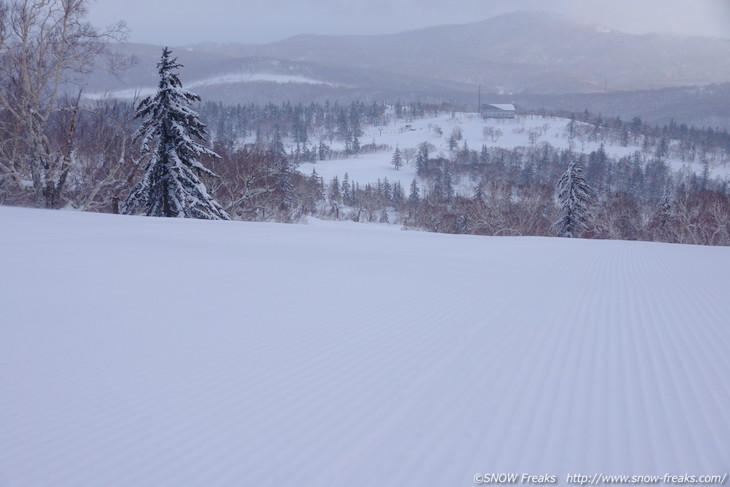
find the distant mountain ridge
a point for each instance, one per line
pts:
(516, 55)
(521, 52)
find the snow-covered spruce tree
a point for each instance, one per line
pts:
(172, 134)
(574, 198)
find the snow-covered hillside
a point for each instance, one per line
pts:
(523, 131)
(225, 79)
(148, 352)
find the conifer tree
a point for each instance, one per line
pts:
(347, 190)
(317, 183)
(397, 159)
(335, 195)
(479, 195)
(484, 155)
(422, 158)
(414, 196)
(398, 195)
(173, 135)
(448, 187)
(386, 192)
(323, 151)
(574, 197)
(662, 222)
(384, 218)
(284, 173)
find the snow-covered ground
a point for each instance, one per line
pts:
(150, 352)
(523, 131)
(217, 80)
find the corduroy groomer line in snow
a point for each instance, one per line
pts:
(351, 354)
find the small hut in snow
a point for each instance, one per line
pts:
(498, 110)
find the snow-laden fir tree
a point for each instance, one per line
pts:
(574, 198)
(662, 224)
(172, 134)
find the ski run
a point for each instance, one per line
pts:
(154, 352)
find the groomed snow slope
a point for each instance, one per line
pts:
(149, 352)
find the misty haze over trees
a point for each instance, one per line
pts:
(62, 151)
(534, 59)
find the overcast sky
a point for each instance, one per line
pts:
(178, 22)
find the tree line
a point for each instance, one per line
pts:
(518, 192)
(57, 151)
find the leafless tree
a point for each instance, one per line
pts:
(106, 162)
(409, 155)
(44, 44)
(492, 133)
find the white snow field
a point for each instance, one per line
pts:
(516, 132)
(151, 352)
(230, 78)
